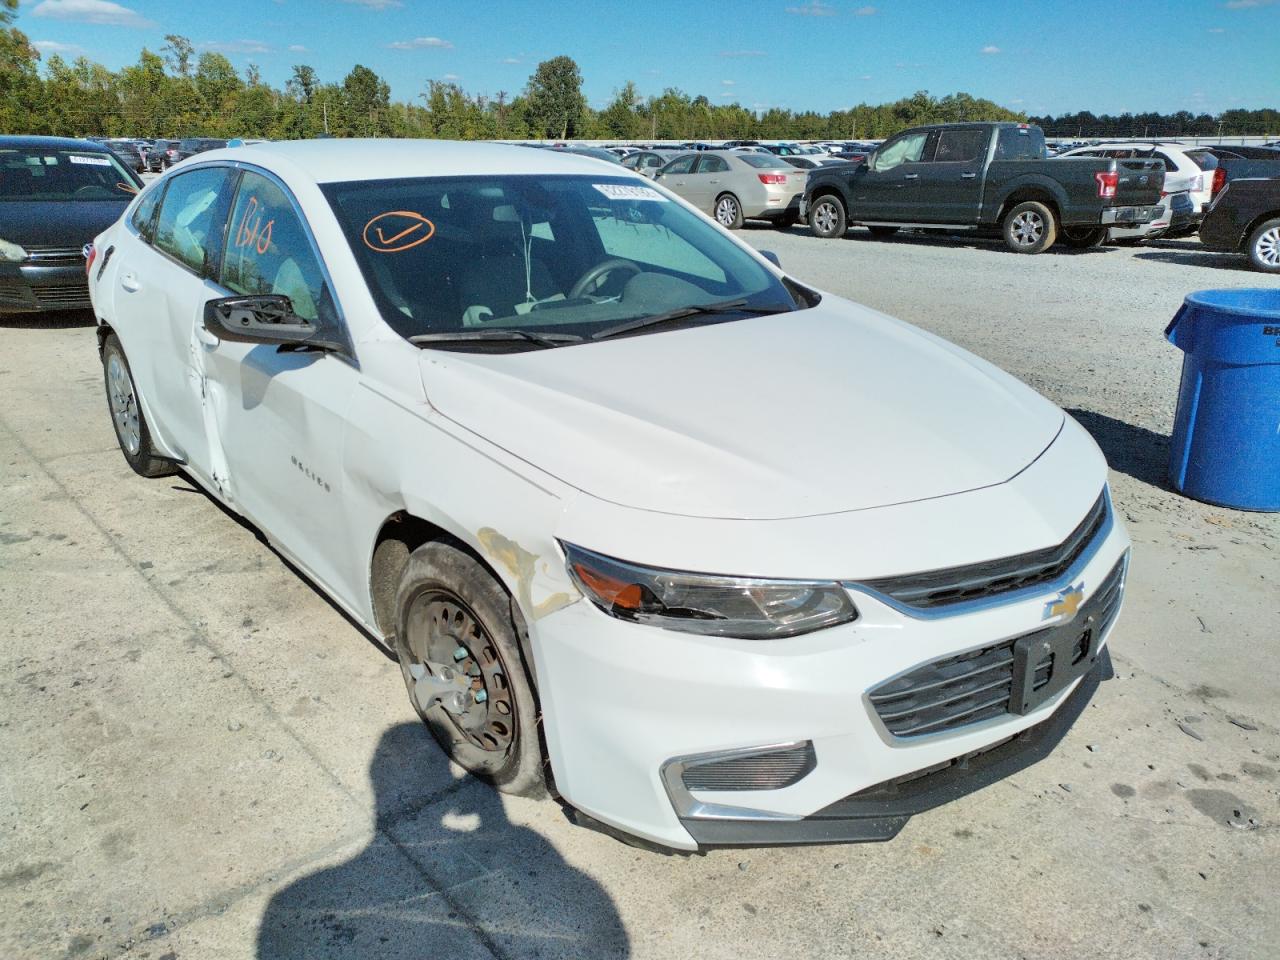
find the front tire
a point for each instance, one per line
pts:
(132, 432)
(728, 211)
(1263, 247)
(1029, 228)
(451, 612)
(827, 218)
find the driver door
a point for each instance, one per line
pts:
(886, 190)
(280, 414)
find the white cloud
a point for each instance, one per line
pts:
(990, 49)
(420, 43)
(1247, 4)
(297, 48)
(236, 46)
(450, 77)
(100, 12)
(55, 46)
(728, 83)
(376, 4)
(742, 54)
(865, 76)
(512, 60)
(865, 12)
(814, 8)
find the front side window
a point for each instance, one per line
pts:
(905, 149)
(571, 254)
(268, 250)
(39, 173)
(189, 225)
(960, 146)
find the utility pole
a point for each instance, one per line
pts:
(324, 107)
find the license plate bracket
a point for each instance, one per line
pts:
(1070, 649)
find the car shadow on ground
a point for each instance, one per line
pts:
(55, 320)
(1141, 453)
(473, 876)
(1183, 256)
(989, 244)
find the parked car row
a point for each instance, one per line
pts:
(153, 156)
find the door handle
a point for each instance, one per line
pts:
(911, 176)
(130, 283)
(713, 181)
(205, 336)
(967, 176)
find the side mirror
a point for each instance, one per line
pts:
(772, 258)
(657, 174)
(265, 318)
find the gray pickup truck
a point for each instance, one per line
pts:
(983, 177)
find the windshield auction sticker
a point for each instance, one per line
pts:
(397, 230)
(622, 191)
(91, 161)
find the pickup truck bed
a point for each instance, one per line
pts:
(976, 176)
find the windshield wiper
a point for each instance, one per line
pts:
(697, 310)
(495, 336)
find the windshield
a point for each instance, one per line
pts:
(564, 254)
(35, 173)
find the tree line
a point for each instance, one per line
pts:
(181, 92)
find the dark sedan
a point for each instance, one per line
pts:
(56, 195)
(1245, 218)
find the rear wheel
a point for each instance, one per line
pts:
(827, 217)
(1263, 247)
(728, 211)
(1029, 228)
(132, 432)
(1083, 238)
(459, 651)
(882, 233)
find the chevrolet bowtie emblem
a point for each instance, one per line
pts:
(1065, 603)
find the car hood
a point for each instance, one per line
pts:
(58, 223)
(824, 410)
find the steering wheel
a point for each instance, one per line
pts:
(595, 274)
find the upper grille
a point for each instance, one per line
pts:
(765, 770)
(40, 254)
(977, 581)
(974, 686)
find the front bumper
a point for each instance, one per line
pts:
(33, 287)
(621, 701)
(1130, 215)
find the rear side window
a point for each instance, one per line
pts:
(712, 165)
(144, 214)
(189, 226)
(268, 250)
(1020, 143)
(960, 146)
(1203, 159)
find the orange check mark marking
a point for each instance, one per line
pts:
(387, 241)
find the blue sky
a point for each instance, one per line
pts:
(1039, 56)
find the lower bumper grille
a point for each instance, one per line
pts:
(73, 293)
(956, 691)
(765, 770)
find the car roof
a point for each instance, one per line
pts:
(342, 161)
(52, 143)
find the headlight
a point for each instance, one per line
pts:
(11, 252)
(700, 603)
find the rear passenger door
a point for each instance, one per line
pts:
(162, 285)
(280, 415)
(950, 184)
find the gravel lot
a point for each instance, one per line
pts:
(203, 758)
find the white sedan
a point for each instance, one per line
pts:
(651, 525)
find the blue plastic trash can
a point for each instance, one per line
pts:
(1225, 447)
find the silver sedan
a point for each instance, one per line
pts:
(734, 187)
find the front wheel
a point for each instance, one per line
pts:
(1082, 238)
(728, 211)
(459, 651)
(1029, 228)
(827, 218)
(132, 432)
(1264, 247)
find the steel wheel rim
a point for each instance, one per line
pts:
(726, 211)
(1028, 228)
(124, 405)
(824, 215)
(1267, 249)
(443, 629)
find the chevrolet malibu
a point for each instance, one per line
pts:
(652, 526)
